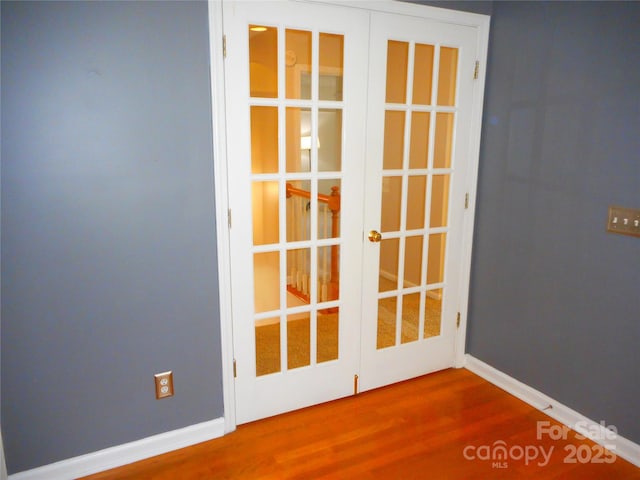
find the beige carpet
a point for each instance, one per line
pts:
(298, 335)
(410, 319)
(298, 344)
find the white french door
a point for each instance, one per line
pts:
(348, 154)
(418, 144)
(296, 97)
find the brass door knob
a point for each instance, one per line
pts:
(375, 236)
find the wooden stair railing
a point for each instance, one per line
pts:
(333, 204)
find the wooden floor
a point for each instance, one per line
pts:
(418, 429)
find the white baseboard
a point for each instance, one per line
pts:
(124, 454)
(597, 432)
(3, 465)
(436, 294)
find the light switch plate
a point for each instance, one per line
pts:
(625, 221)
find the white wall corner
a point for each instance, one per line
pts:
(596, 431)
(124, 454)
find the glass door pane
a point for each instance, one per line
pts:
(415, 190)
(296, 278)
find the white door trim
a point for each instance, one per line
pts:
(220, 176)
(216, 32)
(471, 187)
(412, 9)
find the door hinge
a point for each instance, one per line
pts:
(224, 46)
(235, 371)
(476, 70)
(458, 320)
(229, 217)
(355, 384)
(466, 201)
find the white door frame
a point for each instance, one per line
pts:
(216, 47)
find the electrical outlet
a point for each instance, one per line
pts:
(164, 385)
(625, 221)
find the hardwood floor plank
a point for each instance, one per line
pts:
(411, 430)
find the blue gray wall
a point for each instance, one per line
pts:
(555, 299)
(108, 242)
